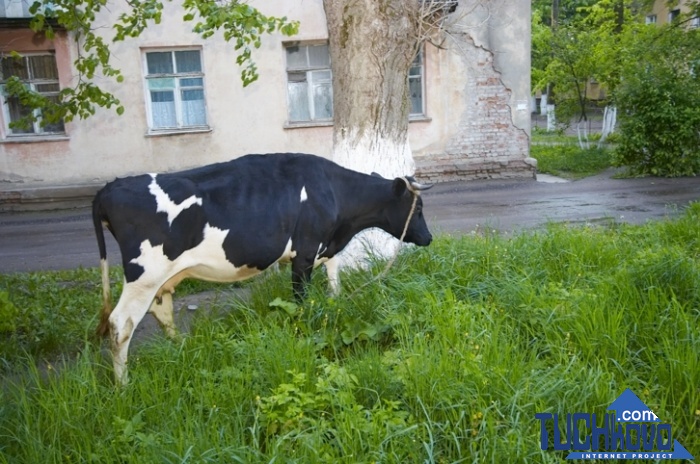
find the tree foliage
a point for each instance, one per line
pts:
(581, 48)
(238, 22)
(659, 102)
(649, 72)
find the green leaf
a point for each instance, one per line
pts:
(287, 306)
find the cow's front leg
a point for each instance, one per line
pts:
(162, 309)
(302, 268)
(332, 272)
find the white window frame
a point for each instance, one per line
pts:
(177, 89)
(417, 73)
(313, 80)
(32, 83)
(650, 19)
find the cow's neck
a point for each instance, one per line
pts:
(361, 207)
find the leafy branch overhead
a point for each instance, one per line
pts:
(238, 22)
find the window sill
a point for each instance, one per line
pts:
(302, 124)
(419, 118)
(169, 132)
(35, 138)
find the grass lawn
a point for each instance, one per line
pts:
(446, 360)
(559, 154)
(569, 160)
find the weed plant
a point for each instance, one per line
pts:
(448, 359)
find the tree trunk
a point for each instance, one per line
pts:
(372, 44)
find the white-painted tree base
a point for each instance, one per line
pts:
(389, 158)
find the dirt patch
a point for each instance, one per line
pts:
(186, 308)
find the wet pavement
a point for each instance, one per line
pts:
(65, 239)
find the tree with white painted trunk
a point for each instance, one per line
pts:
(372, 44)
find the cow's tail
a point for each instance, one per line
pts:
(97, 218)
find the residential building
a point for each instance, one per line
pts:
(185, 105)
(662, 13)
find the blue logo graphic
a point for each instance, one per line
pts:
(629, 431)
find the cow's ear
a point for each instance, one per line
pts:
(399, 186)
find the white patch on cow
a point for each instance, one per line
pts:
(166, 205)
(318, 260)
(206, 261)
(304, 196)
(288, 253)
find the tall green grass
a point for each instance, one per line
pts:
(446, 360)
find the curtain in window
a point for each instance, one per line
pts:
(188, 61)
(159, 62)
(12, 66)
(415, 92)
(193, 109)
(323, 95)
(17, 112)
(163, 109)
(43, 67)
(297, 89)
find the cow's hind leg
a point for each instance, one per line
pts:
(132, 307)
(162, 309)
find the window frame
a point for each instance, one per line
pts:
(177, 89)
(37, 130)
(673, 15)
(309, 70)
(419, 62)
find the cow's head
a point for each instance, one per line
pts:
(406, 190)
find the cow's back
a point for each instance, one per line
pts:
(256, 199)
(261, 200)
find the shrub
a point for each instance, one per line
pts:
(659, 105)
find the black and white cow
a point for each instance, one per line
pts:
(230, 221)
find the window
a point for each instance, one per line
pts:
(673, 14)
(415, 86)
(38, 73)
(309, 86)
(175, 90)
(650, 19)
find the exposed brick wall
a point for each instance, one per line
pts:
(487, 144)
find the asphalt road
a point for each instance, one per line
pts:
(65, 239)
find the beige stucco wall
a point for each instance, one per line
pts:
(660, 9)
(252, 119)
